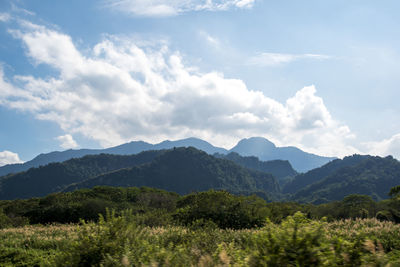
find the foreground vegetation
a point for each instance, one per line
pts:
(118, 240)
(154, 207)
(107, 226)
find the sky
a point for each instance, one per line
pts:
(319, 75)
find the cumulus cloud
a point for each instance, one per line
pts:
(272, 59)
(67, 141)
(120, 91)
(8, 157)
(160, 8)
(390, 146)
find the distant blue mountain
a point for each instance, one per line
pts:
(255, 146)
(266, 150)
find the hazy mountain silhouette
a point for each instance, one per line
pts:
(266, 150)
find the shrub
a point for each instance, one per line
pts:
(222, 208)
(4, 220)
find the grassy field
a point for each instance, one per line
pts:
(118, 241)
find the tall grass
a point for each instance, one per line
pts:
(120, 241)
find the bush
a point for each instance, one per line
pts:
(4, 220)
(98, 242)
(222, 208)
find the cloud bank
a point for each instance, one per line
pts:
(8, 157)
(162, 8)
(390, 146)
(120, 91)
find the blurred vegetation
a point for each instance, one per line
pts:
(118, 240)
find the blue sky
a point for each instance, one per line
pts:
(320, 75)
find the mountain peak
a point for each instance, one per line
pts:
(266, 150)
(254, 146)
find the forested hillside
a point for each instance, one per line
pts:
(315, 175)
(54, 177)
(185, 170)
(280, 169)
(373, 177)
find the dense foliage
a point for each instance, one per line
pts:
(222, 209)
(153, 204)
(155, 207)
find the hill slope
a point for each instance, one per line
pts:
(266, 150)
(280, 169)
(373, 176)
(56, 176)
(184, 170)
(315, 175)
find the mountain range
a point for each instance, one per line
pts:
(185, 170)
(255, 146)
(181, 170)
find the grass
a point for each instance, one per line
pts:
(118, 241)
(34, 245)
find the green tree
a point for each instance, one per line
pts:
(395, 192)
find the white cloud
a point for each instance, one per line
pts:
(67, 141)
(390, 146)
(121, 92)
(211, 40)
(4, 17)
(272, 59)
(8, 157)
(160, 8)
(18, 9)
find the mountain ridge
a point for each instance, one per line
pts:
(185, 170)
(300, 160)
(304, 179)
(373, 176)
(265, 150)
